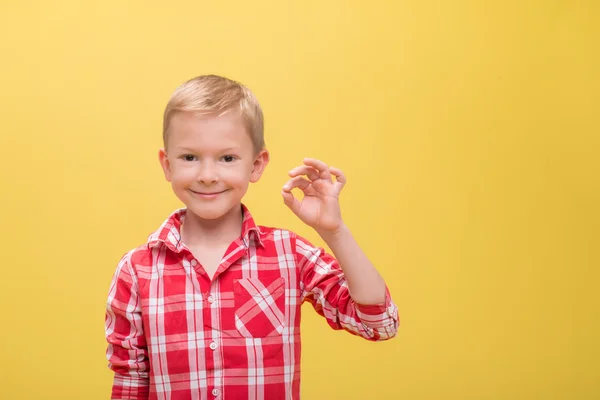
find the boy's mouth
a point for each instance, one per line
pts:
(207, 195)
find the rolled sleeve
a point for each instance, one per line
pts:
(324, 285)
(381, 318)
(127, 350)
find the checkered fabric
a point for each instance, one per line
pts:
(175, 334)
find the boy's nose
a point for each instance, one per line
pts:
(208, 174)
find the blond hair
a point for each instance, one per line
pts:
(217, 95)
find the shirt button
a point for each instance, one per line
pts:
(211, 299)
(213, 346)
(215, 392)
(194, 262)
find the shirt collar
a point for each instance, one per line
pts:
(169, 233)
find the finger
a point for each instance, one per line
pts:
(298, 182)
(319, 166)
(291, 201)
(310, 172)
(340, 178)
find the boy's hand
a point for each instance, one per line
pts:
(320, 207)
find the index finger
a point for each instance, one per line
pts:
(320, 166)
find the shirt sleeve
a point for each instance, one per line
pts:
(323, 284)
(127, 352)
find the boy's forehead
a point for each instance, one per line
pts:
(190, 121)
(193, 131)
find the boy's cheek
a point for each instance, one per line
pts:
(230, 175)
(183, 174)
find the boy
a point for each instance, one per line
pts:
(209, 307)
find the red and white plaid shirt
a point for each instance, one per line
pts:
(175, 334)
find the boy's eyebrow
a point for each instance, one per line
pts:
(188, 149)
(185, 149)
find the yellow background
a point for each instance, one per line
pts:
(468, 132)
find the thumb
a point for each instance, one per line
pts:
(290, 201)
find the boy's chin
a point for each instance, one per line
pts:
(211, 212)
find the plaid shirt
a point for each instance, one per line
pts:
(174, 333)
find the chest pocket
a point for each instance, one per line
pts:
(259, 307)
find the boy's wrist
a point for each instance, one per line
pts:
(332, 236)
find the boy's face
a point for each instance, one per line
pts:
(210, 161)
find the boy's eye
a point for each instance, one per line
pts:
(189, 157)
(228, 158)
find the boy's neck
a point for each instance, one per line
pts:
(197, 231)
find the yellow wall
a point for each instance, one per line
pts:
(468, 131)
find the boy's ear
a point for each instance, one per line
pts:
(260, 163)
(164, 163)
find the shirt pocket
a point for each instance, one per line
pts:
(259, 306)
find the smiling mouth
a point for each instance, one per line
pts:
(207, 194)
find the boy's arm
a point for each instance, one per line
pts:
(127, 350)
(364, 282)
(352, 272)
(326, 286)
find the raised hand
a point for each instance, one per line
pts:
(320, 207)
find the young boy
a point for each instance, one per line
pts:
(209, 307)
